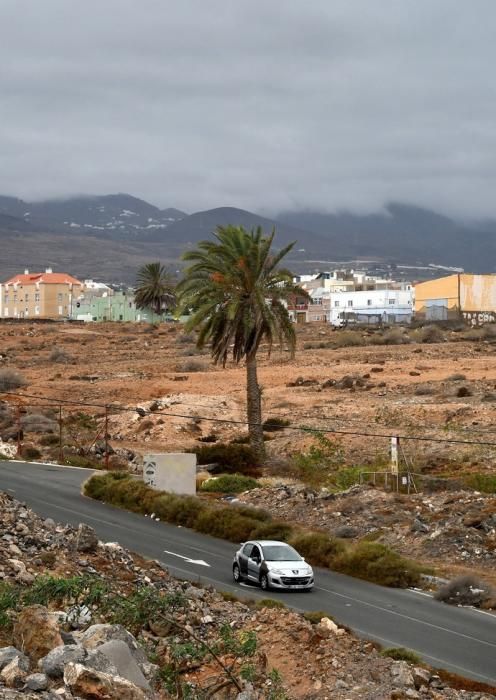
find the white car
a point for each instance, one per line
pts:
(272, 564)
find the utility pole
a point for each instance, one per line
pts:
(61, 451)
(106, 438)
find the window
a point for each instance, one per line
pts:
(26, 297)
(350, 302)
(247, 549)
(15, 297)
(336, 303)
(369, 302)
(59, 298)
(37, 310)
(36, 296)
(392, 301)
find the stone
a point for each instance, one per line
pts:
(53, 663)
(94, 685)
(86, 539)
(36, 632)
(8, 654)
(328, 624)
(96, 635)
(99, 662)
(118, 653)
(419, 526)
(14, 673)
(36, 682)
(402, 675)
(421, 676)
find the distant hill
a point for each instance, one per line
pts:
(108, 237)
(403, 233)
(116, 215)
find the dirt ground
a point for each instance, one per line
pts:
(403, 389)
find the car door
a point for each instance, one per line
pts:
(254, 563)
(243, 559)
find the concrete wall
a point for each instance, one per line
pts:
(471, 296)
(172, 472)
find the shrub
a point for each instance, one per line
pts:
(49, 440)
(146, 424)
(272, 425)
(377, 563)
(229, 483)
(30, 452)
(191, 366)
(185, 338)
(345, 339)
(424, 390)
(226, 523)
(481, 482)
(73, 460)
(430, 334)
(456, 377)
(59, 355)
(320, 549)
(270, 603)
(401, 654)
(273, 530)
(345, 478)
(489, 331)
(394, 336)
(10, 380)
(232, 458)
(38, 423)
(464, 590)
(464, 391)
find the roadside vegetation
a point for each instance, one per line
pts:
(368, 560)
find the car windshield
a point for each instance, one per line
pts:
(280, 552)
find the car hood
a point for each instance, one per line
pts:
(290, 566)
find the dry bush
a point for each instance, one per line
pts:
(191, 366)
(424, 390)
(464, 391)
(38, 423)
(59, 355)
(10, 380)
(185, 339)
(465, 590)
(146, 424)
(393, 336)
(345, 339)
(457, 377)
(430, 334)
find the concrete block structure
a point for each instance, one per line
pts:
(174, 472)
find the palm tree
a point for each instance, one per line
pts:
(154, 288)
(236, 293)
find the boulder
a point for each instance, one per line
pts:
(36, 632)
(96, 635)
(36, 682)
(86, 539)
(421, 676)
(402, 675)
(119, 655)
(94, 685)
(53, 663)
(14, 673)
(8, 654)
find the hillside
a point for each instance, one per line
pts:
(108, 237)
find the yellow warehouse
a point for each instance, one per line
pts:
(464, 296)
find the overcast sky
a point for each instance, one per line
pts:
(262, 104)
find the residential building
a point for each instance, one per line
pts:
(119, 306)
(459, 296)
(39, 295)
(373, 306)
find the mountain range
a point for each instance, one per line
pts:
(110, 236)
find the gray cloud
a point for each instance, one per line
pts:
(263, 105)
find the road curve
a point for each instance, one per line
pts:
(460, 640)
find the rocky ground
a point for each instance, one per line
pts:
(64, 599)
(455, 531)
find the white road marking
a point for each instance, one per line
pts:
(200, 562)
(408, 617)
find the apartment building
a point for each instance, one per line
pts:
(39, 295)
(372, 306)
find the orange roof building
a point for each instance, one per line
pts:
(39, 295)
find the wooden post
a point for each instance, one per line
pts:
(19, 441)
(61, 450)
(106, 438)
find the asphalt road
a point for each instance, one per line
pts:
(460, 640)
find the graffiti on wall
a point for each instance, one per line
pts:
(478, 318)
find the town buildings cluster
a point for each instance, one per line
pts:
(339, 297)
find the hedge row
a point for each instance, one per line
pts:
(370, 561)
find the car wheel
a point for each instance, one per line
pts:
(236, 574)
(264, 582)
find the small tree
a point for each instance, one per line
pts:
(154, 288)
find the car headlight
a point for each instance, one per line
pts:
(308, 571)
(276, 571)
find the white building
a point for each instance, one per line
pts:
(371, 306)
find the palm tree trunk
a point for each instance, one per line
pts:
(254, 408)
